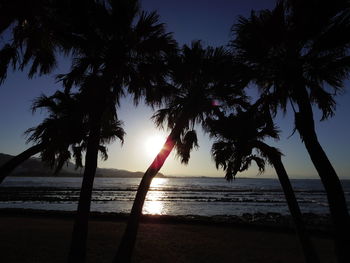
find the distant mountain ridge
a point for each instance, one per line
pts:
(35, 167)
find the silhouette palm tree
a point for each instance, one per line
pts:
(63, 133)
(116, 49)
(195, 75)
(123, 50)
(35, 32)
(52, 138)
(240, 141)
(288, 53)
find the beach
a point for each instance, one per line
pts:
(44, 237)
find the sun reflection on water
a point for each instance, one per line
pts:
(153, 208)
(159, 182)
(154, 204)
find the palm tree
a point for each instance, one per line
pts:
(35, 32)
(62, 128)
(195, 75)
(240, 141)
(62, 134)
(116, 49)
(289, 54)
(123, 50)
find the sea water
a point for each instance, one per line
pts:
(167, 196)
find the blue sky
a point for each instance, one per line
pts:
(209, 21)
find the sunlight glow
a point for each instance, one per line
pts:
(154, 208)
(155, 204)
(153, 145)
(159, 183)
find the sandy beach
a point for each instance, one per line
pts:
(38, 238)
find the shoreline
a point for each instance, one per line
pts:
(266, 177)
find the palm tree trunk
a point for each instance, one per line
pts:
(77, 251)
(128, 240)
(9, 166)
(335, 194)
(308, 249)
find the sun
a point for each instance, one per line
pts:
(153, 145)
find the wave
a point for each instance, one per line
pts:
(176, 189)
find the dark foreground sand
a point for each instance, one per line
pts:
(36, 238)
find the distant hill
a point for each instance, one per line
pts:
(35, 167)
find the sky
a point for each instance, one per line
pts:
(205, 20)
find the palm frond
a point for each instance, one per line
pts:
(324, 100)
(63, 158)
(294, 45)
(8, 56)
(185, 144)
(77, 154)
(104, 152)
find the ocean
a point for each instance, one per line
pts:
(167, 196)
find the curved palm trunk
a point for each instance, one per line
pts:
(308, 249)
(335, 194)
(9, 166)
(77, 251)
(128, 240)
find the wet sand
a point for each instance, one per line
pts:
(39, 238)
